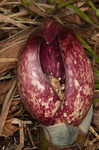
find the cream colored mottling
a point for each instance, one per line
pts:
(76, 83)
(50, 99)
(34, 74)
(33, 96)
(88, 61)
(46, 105)
(57, 105)
(75, 113)
(70, 72)
(80, 88)
(37, 84)
(47, 114)
(87, 90)
(78, 95)
(68, 120)
(43, 104)
(78, 102)
(65, 115)
(80, 113)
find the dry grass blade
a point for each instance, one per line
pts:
(7, 19)
(7, 60)
(6, 105)
(30, 137)
(10, 3)
(92, 130)
(30, 4)
(21, 13)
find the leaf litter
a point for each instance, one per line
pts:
(18, 19)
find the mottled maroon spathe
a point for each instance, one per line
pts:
(55, 49)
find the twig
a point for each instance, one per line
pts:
(6, 105)
(7, 60)
(30, 137)
(7, 19)
(10, 3)
(46, 6)
(21, 13)
(21, 145)
(92, 130)
(8, 28)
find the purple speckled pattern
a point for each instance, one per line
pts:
(51, 59)
(50, 30)
(79, 80)
(55, 51)
(37, 95)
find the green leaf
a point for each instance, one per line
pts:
(97, 12)
(36, 1)
(76, 9)
(96, 100)
(97, 86)
(44, 143)
(64, 4)
(26, 3)
(51, 1)
(92, 5)
(81, 13)
(96, 72)
(97, 81)
(86, 45)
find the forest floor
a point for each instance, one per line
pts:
(18, 19)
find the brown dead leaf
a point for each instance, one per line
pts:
(96, 115)
(1, 101)
(10, 49)
(6, 105)
(5, 86)
(77, 19)
(33, 7)
(51, 148)
(9, 129)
